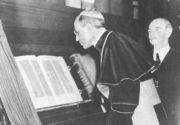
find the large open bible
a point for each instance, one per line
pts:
(48, 80)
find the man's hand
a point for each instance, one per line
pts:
(103, 89)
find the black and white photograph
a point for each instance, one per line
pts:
(89, 62)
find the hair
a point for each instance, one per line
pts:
(166, 22)
(95, 18)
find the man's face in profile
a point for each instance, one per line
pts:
(83, 35)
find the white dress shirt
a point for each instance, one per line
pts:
(162, 53)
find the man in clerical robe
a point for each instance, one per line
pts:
(122, 65)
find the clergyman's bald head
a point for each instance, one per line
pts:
(92, 17)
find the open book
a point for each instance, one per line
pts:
(48, 80)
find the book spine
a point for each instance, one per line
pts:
(83, 76)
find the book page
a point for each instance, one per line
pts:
(62, 83)
(35, 81)
(67, 80)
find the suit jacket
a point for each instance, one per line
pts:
(168, 77)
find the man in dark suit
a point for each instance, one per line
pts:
(167, 76)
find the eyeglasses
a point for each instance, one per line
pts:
(76, 33)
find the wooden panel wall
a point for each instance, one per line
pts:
(174, 14)
(38, 26)
(46, 26)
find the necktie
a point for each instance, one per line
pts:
(157, 61)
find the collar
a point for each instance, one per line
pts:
(162, 53)
(101, 40)
(99, 36)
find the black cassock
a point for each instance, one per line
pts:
(122, 62)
